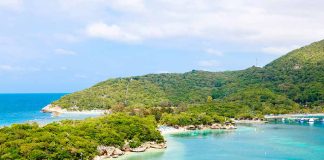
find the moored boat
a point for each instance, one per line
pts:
(311, 120)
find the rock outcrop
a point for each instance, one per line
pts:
(148, 145)
(225, 126)
(53, 109)
(107, 152)
(113, 152)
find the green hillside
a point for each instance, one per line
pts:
(300, 74)
(147, 91)
(292, 83)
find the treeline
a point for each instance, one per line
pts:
(187, 118)
(75, 139)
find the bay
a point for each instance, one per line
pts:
(22, 108)
(284, 141)
(289, 141)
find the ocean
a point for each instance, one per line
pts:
(277, 141)
(21, 108)
(282, 141)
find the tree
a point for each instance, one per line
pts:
(209, 99)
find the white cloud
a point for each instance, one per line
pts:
(11, 4)
(110, 32)
(214, 52)
(278, 50)
(61, 51)
(6, 68)
(243, 22)
(80, 76)
(12, 68)
(128, 5)
(208, 63)
(240, 22)
(95, 8)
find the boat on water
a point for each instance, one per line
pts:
(311, 120)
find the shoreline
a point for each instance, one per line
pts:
(293, 115)
(171, 130)
(108, 152)
(130, 154)
(250, 122)
(165, 131)
(57, 111)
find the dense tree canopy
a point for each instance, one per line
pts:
(75, 139)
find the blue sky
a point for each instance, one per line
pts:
(65, 46)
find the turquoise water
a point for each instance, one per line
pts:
(288, 141)
(264, 141)
(20, 108)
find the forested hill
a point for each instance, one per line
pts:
(300, 74)
(296, 79)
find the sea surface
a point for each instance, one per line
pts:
(21, 108)
(276, 141)
(287, 140)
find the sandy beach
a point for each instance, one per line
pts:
(127, 155)
(57, 111)
(171, 130)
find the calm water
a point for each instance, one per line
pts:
(269, 141)
(20, 108)
(291, 141)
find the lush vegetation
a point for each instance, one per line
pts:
(292, 83)
(75, 139)
(187, 118)
(113, 92)
(249, 103)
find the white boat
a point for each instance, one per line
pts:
(311, 120)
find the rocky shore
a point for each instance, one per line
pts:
(57, 110)
(250, 120)
(106, 152)
(180, 129)
(53, 109)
